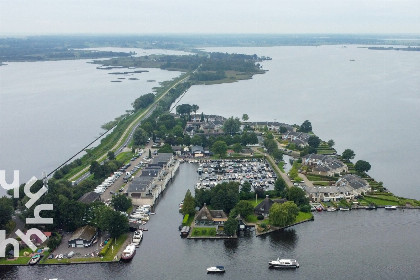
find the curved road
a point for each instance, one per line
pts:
(118, 147)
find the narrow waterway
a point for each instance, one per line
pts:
(358, 244)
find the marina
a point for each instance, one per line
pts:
(257, 172)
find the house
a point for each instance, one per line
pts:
(328, 193)
(263, 208)
(90, 197)
(197, 151)
(206, 217)
(324, 165)
(298, 138)
(163, 160)
(359, 185)
(83, 237)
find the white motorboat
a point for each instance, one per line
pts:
(331, 209)
(137, 237)
(216, 269)
(129, 252)
(390, 207)
(283, 263)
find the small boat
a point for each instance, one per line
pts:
(35, 259)
(185, 231)
(390, 207)
(344, 209)
(129, 252)
(283, 263)
(216, 269)
(331, 209)
(371, 207)
(137, 237)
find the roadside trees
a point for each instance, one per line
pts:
(297, 195)
(140, 137)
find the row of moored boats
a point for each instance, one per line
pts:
(130, 251)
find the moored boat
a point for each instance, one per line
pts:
(35, 259)
(216, 269)
(129, 252)
(390, 207)
(283, 263)
(331, 209)
(137, 237)
(344, 209)
(185, 231)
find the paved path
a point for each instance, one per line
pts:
(274, 165)
(129, 129)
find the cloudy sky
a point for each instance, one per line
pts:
(23, 17)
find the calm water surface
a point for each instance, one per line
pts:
(342, 245)
(50, 110)
(370, 105)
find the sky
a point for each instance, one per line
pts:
(35, 17)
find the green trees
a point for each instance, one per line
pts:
(6, 210)
(188, 206)
(348, 154)
(225, 196)
(279, 185)
(305, 127)
(297, 195)
(111, 155)
(283, 214)
(118, 224)
(232, 125)
(331, 143)
(70, 215)
(237, 147)
(97, 170)
(362, 166)
(166, 149)
(140, 136)
(245, 117)
(243, 208)
(143, 101)
(314, 141)
(245, 192)
(121, 202)
(230, 226)
(219, 147)
(184, 109)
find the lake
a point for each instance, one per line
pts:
(51, 110)
(370, 105)
(358, 244)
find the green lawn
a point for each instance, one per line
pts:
(302, 216)
(203, 231)
(20, 260)
(251, 218)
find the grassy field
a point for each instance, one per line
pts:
(302, 216)
(203, 231)
(19, 261)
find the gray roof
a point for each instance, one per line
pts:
(353, 181)
(161, 159)
(323, 162)
(140, 184)
(85, 233)
(264, 206)
(89, 197)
